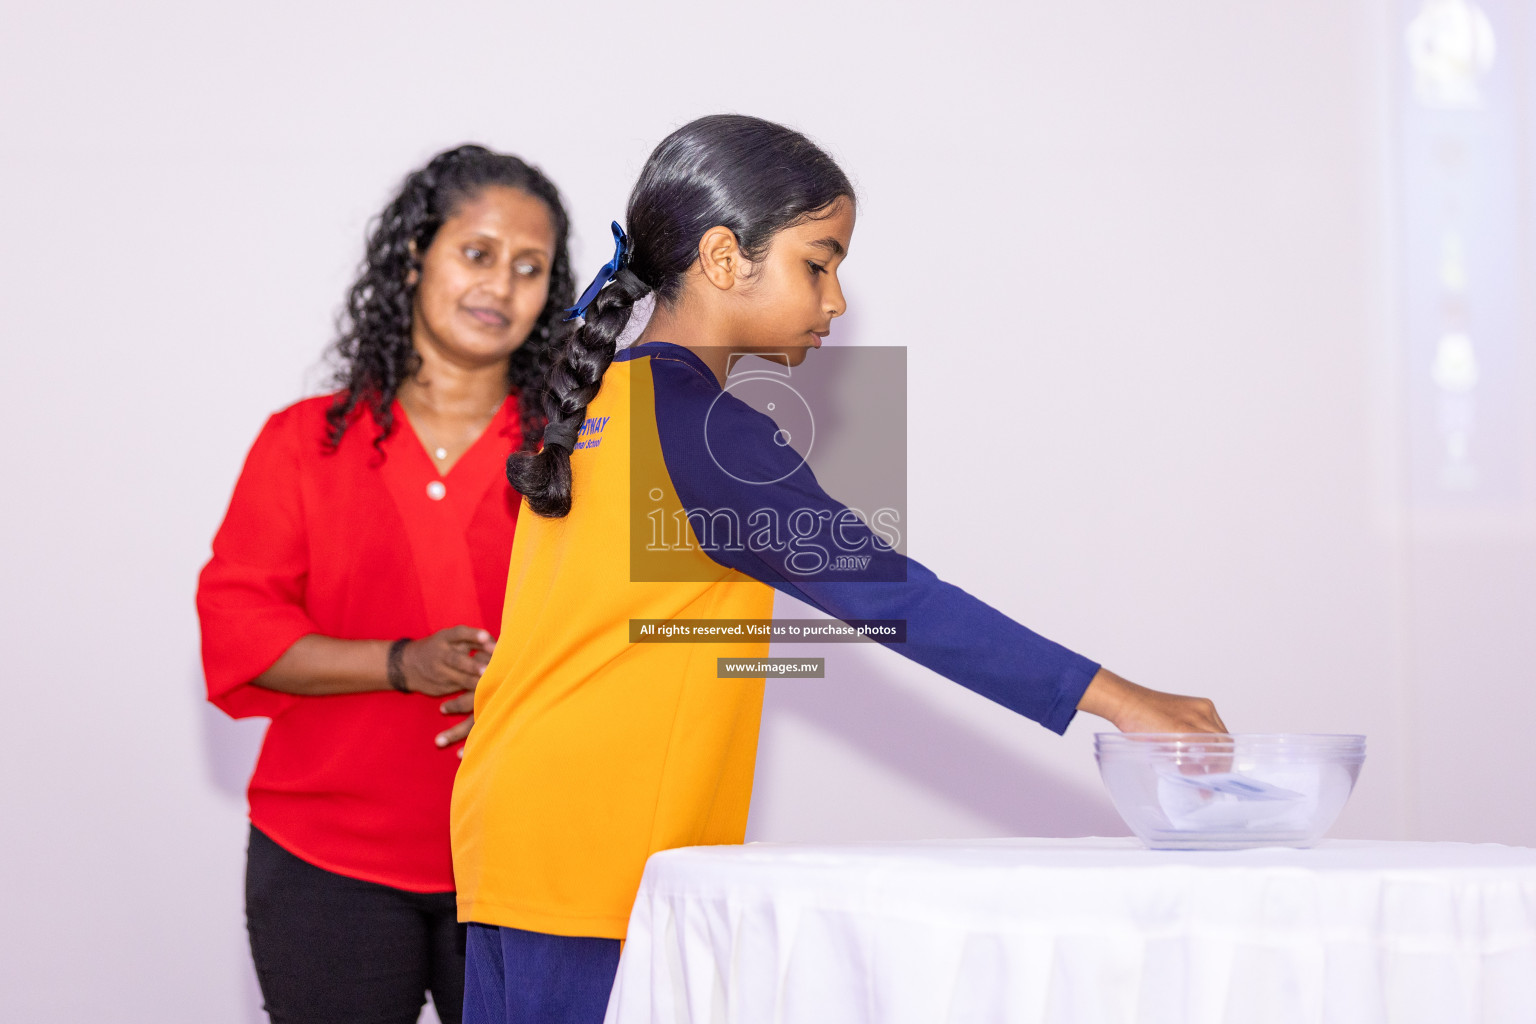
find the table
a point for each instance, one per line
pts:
(1082, 931)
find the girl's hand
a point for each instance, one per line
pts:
(446, 662)
(1132, 708)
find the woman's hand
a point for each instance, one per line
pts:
(446, 662)
(464, 703)
(1132, 708)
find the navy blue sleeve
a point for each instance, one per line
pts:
(757, 508)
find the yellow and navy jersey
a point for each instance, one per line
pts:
(589, 752)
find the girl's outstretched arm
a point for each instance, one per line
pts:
(782, 532)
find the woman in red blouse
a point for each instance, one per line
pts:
(357, 581)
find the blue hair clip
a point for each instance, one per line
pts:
(620, 258)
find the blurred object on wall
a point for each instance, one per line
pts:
(1462, 135)
(1451, 48)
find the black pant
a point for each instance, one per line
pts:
(335, 950)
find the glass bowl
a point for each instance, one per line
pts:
(1199, 791)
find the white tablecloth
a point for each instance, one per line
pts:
(1082, 931)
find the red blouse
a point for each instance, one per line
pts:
(359, 545)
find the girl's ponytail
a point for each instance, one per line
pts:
(544, 477)
(749, 175)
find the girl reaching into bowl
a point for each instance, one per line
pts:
(591, 752)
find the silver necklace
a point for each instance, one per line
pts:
(438, 451)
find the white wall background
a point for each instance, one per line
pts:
(1143, 255)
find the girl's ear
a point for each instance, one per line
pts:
(415, 275)
(720, 257)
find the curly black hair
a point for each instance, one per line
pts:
(373, 349)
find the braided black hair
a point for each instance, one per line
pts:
(374, 351)
(750, 175)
